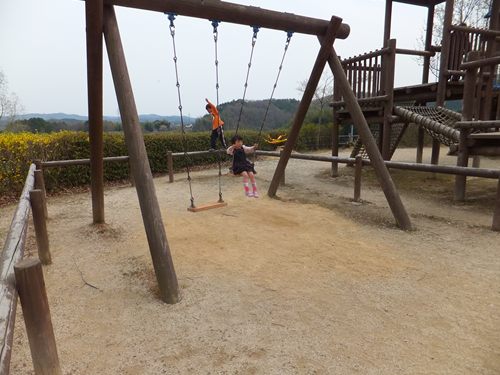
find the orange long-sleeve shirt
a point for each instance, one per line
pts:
(216, 121)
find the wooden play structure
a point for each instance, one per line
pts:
(468, 65)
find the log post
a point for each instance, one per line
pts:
(139, 163)
(389, 68)
(476, 161)
(42, 237)
(312, 84)
(35, 305)
(170, 167)
(94, 17)
(383, 175)
(40, 185)
(496, 211)
(282, 182)
(467, 115)
(357, 177)
(335, 130)
(420, 145)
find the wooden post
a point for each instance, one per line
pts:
(467, 115)
(496, 211)
(388, 187)
(428, 43)
(357, 177)
(389, 68)
(282, 182)
(139, 163)
(42, 237)
(36, 312)
(335, 130)
(420, 144)
(40, 185)
(94, 19)
(387, 24)
(170, 167)
(312, 84)
(476, 161)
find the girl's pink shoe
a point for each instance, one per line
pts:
(255, 194)
(249, 193)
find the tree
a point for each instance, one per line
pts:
(322, 97)
(10, 104)
(465, 12)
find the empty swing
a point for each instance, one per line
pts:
(220, 202)
(289, 35)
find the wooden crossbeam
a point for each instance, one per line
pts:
(207, 206)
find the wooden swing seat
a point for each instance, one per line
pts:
(205, 207)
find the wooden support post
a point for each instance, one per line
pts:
(387, 24)
(282, 182)
(467, 115)
(42, 237)
(94, 19)
(38, 164)
(443, 78)
(335, 130)
(476, 161)
(496, 211)
(428, 43)
(36, 312)
(170, 167)
(40, 185)
(139, 163)
(389, 69)
(420, 144)
(388, 187)
(357, 177)
(312, 84)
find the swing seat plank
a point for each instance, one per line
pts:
(209, 206)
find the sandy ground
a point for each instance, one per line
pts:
(309, 283)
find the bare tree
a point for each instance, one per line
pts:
(10, 104)
(465, 12)
(322, 97)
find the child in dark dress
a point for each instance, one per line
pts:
(241, 165)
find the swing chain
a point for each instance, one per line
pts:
(171, 17)
(289, 35)
(215, 25)
(254, 40)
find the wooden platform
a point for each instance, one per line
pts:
(207, 206)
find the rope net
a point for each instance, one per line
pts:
(438, 122)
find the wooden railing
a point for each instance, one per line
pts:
(12, 253)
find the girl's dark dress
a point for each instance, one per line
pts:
(240, 162)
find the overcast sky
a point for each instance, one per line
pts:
(43, 53)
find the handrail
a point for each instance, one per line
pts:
(474, 30)
(380, 52)
(12, 253)
(480, 63)
(415, 53)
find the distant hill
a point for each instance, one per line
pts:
(69, 118)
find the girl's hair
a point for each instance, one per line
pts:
(235, 138)
(208, 106)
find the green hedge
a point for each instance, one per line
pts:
(18, 151)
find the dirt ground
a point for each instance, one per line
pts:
(308, 283)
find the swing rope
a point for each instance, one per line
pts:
(215, 24)
(171, 17)
(254, 40)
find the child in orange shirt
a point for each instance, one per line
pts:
(218, 129)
